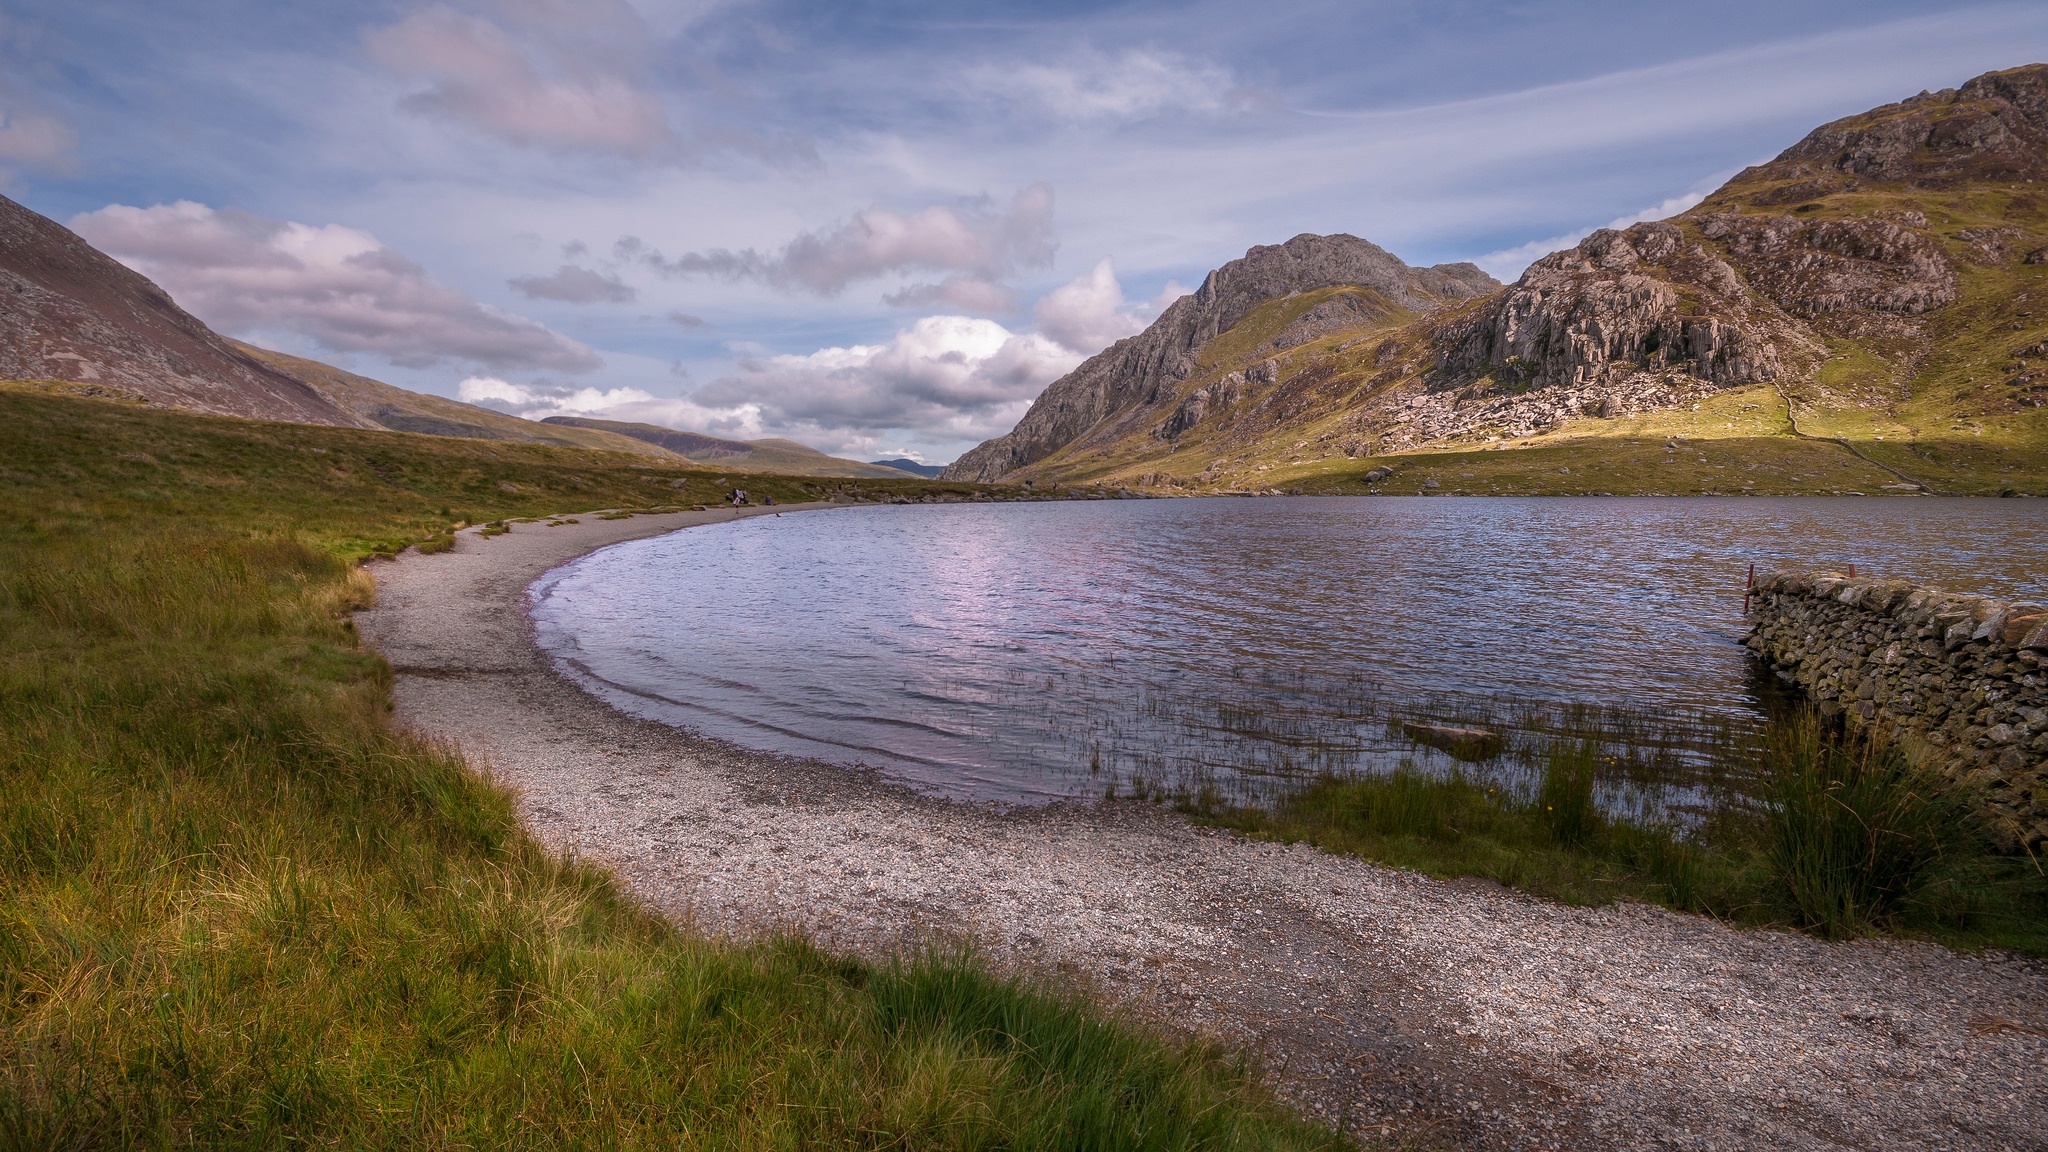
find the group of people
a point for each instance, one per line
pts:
(739, 497)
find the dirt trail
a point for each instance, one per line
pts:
(1382, 1000)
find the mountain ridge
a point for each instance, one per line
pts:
(1872, 287)
(1131, 373)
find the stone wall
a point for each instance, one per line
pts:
(1961, 682)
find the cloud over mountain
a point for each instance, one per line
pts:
(336, 286)
(948, 374)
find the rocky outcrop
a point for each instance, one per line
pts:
(1960, 681)
(1143, 369)
(1611, 306)
(1994, 128)
(1832, 268)
(68, 312)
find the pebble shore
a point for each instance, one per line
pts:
(1456, 1012)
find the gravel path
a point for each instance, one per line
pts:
(1453, 1010)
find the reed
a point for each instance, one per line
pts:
(1805, 825)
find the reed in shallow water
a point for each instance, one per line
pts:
(1809, 826)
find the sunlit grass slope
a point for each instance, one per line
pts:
(237, 910)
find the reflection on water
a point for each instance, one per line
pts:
(1024, 651)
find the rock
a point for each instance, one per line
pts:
(1463, 743)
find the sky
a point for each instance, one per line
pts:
(877, 228)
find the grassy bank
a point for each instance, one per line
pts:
(1828, 833)
(239, 911)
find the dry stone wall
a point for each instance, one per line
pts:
(1961, 682)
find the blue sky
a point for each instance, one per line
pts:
(874, 227)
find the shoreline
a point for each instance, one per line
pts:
(1487, 1018)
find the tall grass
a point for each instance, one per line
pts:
(1859, 839)
(1832, 832)
(238, 910)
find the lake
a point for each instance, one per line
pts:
(1027, 652)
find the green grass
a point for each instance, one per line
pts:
(238, 910)
(1839, 836)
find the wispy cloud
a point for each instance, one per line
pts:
(543, 73)
(572, 284)
(978, 242)
(1135, 84)
(336, 286)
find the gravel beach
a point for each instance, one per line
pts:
(1455, 1011)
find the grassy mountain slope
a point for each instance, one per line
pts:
(403, 411)
(781, 457)
(1865, 313)
(74, 314)
(241, 911)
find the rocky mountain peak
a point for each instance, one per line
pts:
(1994, 128)
(1126, 380)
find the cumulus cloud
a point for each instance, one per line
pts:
(1089, 313)
(1508, 264)
(543, 399)
(1136, 84)
(546, 73)
(979, 242)
(949, 377)
(574, 285)
(337, 286)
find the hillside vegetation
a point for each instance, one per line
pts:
(240, 911)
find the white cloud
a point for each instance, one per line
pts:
(1508, 264)
(1132, 85)
(573, 285)
(336, 286)
(949, 377)
(978, 241)
(1088, 313)
(550, 75)
(543, 399)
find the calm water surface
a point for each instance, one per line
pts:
(1027, 651)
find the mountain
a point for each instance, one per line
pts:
(1863, 311)
(781, 457)
(392, 407)
(928, 471)
(70, 313)
(1116, 390)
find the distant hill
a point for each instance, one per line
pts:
(782, 457)
(70, 313)
(1879, 291)
(928, 471)
(389, 406)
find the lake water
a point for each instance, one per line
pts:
(1020, 652)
